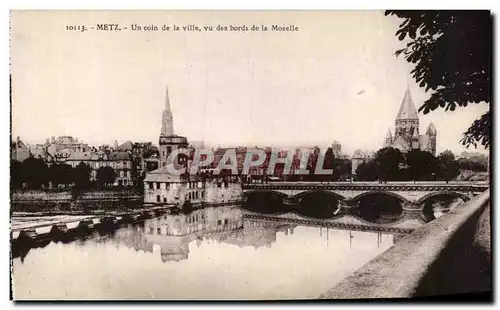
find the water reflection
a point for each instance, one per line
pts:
(213, 253)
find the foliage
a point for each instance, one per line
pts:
(81, 176)
(16, 177)
(60, 174)
(458, 73)
(421, 165)
(475, 163)
(388, 161)
(367, 171)
(448, 166)
(106, 175)
(34, 172)
(391, 165)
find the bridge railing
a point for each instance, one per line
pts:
(439, 258)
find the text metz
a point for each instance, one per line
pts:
(108, 27)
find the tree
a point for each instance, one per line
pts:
(421, 165)
(16, 176)
(81, 175)
(388, 161)
(106, 175)
(60, 174)
(458, 73)
(448, 166)
(34, 172)
(341, 168)
(367, 171)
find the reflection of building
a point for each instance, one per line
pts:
(173, 234)
(407, 137)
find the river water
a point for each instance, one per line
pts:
(212, 253)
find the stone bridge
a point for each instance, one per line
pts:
(411, 194)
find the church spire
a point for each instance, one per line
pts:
(407, 111)
(167, 100)
(167, 125)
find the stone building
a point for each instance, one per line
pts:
(161, 187)
(406, 136)
(19, 151)
(121, 162)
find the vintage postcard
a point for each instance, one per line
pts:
(250, 155)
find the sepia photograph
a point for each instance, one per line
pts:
(166, 155)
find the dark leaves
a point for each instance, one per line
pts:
(451, 51)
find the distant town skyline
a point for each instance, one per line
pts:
(303, 88)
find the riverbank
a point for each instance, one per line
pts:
(75, 201)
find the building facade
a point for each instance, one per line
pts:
(121, 162)
(161, 187)
(406, 136)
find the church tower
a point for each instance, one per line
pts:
(168, 140)
(167, 125)
(388, 139)
(407, 119)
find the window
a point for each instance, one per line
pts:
(150, 185)
(157, 185)
(157, 198)
(225, 222)
(159, 230)
(202, 194)
(219, 222)
(163, 153)
(164, 199)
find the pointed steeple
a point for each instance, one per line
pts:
(407, 111)
(167, 125)
(389, 134)
(167, 100)
(431, 130)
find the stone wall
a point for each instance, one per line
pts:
(442, 257)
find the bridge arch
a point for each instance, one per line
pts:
(264, 191)
(314, 191)
(386, 193)
(465, 197)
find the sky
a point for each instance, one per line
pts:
(336, 78)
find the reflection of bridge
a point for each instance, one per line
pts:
(411, 194)
(350, 222)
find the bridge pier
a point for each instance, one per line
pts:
(411, 210)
